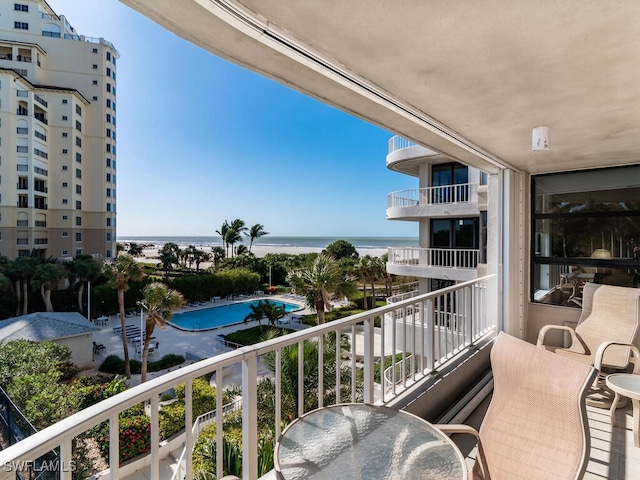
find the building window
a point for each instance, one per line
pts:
(108, 72)
(64, 151)
(108, 207)
(108, 254)
(64, 168)
(108, 103)
(94, 82)
(108, 87)
(79, 221)
(460, 233)
(78, 142)
(20, 7)
(65, 134)
(108, 237)
(65, 234)
(94, 66)
(585, 228)
(79, 189)
(108, 177)
(65, 201)
(78, 205)
(78, 109)
(65, 217)
(109, 56)
(64, 118)
(78, 173)
(78, 251)
(108, 148)
(108, 132)
(108, 192)
(95, 99)
(78, 236)
(78, 157)
(65, 253)
(65, 184)
(108, 118)
(64, 101)
(21, 25)
(108, 162)
(94, 50)
(78, 126)
(108, 221)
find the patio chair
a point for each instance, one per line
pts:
(536, 426)
(607, 335)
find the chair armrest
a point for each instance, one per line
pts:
(457, 428)
(546, 328)
(634, 357)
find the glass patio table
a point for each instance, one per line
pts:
(365, 442)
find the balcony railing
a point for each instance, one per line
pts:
(459, 193)
(402, 296)
(436, 342)
(40, 100)
(41, 117)
(434, 257)
(397, 143)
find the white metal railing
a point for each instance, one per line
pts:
(434, 257)
(408, 327)
(397, 143)
(198, 425)
(402, 296)
(459, 193)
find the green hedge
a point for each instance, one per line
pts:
(115, 365)
(218, 284)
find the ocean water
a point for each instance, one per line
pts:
(270, 240)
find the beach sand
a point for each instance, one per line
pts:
(150, 255)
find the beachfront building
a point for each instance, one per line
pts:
(541, 97)
(57, 137)
(449, 208)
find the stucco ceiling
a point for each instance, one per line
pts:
(469, 78)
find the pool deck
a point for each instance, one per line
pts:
(192, 345)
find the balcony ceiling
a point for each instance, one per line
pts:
(469, 79)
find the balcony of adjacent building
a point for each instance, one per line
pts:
(455, 264)
(428, 202)
(407, 157)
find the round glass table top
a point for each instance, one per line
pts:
(626, 383)
(365, 442)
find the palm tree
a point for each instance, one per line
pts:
(45, 277)
(256, 314)
(256, 231)
(199, 256)
(218, 255)
(319, 282)
(266, 309)
(21, 270)
(85, 269)
(168, 255)
(388, 280)
(361, 268)
(232, 237)
(223, 233)
(124, 270)
(159, 302)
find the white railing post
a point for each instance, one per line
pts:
(249, 417)
(321, 371)
(219, 427)
(300, 378)
(155, 438)
(65, 459)
(188, 430)
(114, 446)
(369, 359)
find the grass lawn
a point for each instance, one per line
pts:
(250, 336)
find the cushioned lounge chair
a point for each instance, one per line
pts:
(607, 335)
(536, 426)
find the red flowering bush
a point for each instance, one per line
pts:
(135, 434)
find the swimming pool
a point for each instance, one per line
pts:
(221, 316)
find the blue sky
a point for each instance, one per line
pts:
(201, 140)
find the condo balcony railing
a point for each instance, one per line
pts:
(41, 117)
(397, 143)
(40, 100)
(435, 343)
(459, 193)
(6, 56)
(434, 257)
(402, 296)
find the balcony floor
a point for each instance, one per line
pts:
(613, 455)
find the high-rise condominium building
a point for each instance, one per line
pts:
(57, 136)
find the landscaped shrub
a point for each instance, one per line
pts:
(171, 419)
(115, 365)
(135, 434)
